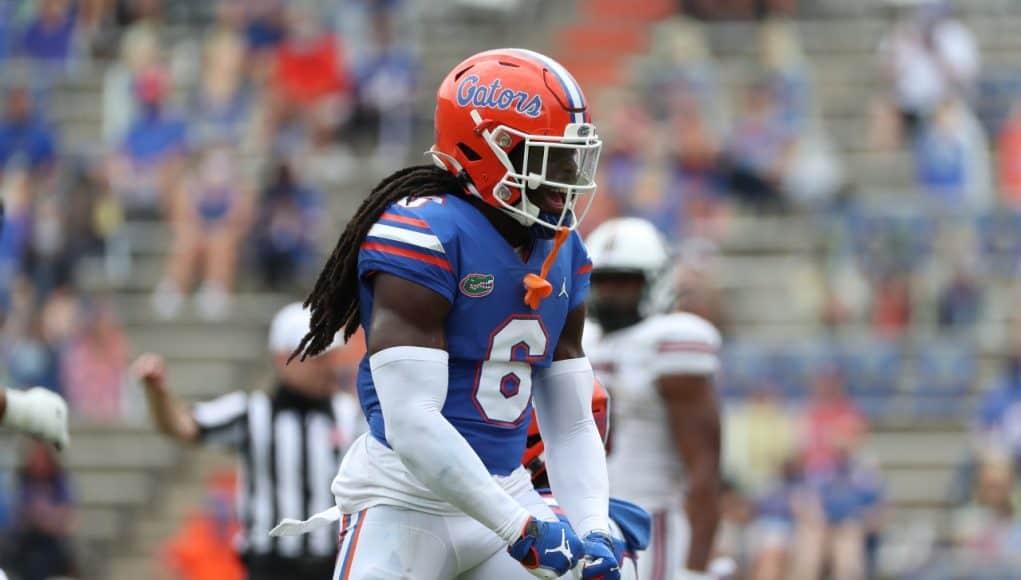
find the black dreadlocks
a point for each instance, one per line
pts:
(334, 300)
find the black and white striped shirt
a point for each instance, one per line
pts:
(290, 447)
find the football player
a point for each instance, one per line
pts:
(630, 525)
(659, 366)
(470, 283)
(37, 411)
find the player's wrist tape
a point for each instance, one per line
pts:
(695, 575)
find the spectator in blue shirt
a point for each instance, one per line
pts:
(6, 29)
(16, 223)
(50, 37)
(289, 227)
(220, 107)
(265, 28)
(952, 161)
(760, 149)
(849, 496)
(151, 154)
(33, 360)
(24, 133)
(960, 301)
(42, 545)
(773, 531)
(999, 417)
(386, 83)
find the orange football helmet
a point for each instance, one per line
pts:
(533, 459)
(499, 100)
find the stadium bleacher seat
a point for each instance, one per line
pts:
(943, 375)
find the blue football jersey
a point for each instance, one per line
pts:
(495, 341)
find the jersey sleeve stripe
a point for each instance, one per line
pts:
(410, 221)
(427, 241)
(584, 269)
(405, 253)
(686, 346)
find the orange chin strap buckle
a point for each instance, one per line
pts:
(537, 287)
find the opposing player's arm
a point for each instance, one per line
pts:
(410, 373)
(575, 458)
(695, 424)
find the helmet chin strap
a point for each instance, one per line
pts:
(537, 287)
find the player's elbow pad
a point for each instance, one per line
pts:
(411, 383)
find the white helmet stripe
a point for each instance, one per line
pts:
(574, 95)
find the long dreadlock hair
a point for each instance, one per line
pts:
(334, 299)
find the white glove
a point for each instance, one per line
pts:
(38, 412)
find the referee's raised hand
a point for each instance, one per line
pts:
(170, 415)
(151, 370)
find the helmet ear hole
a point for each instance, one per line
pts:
(468, 152)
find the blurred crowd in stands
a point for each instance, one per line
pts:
(228, 122)
(232, 142)
(912, 290)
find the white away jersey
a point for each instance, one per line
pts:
(644, 464)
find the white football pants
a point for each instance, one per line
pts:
(668, 548)
(392, 543)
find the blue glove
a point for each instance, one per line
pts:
(599, 561)
(546, 549)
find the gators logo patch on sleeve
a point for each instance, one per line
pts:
(477, 285)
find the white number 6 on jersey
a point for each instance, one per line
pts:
(503, 383)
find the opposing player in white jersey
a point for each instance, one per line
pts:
(658, 365)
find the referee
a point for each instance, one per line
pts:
(289, 440)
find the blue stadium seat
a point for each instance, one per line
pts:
(744, 368)
(794, 367)
(944, 374)
(997, 92)
(788, 370)
(1000, 241)
(872, 369)
(889, 242)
